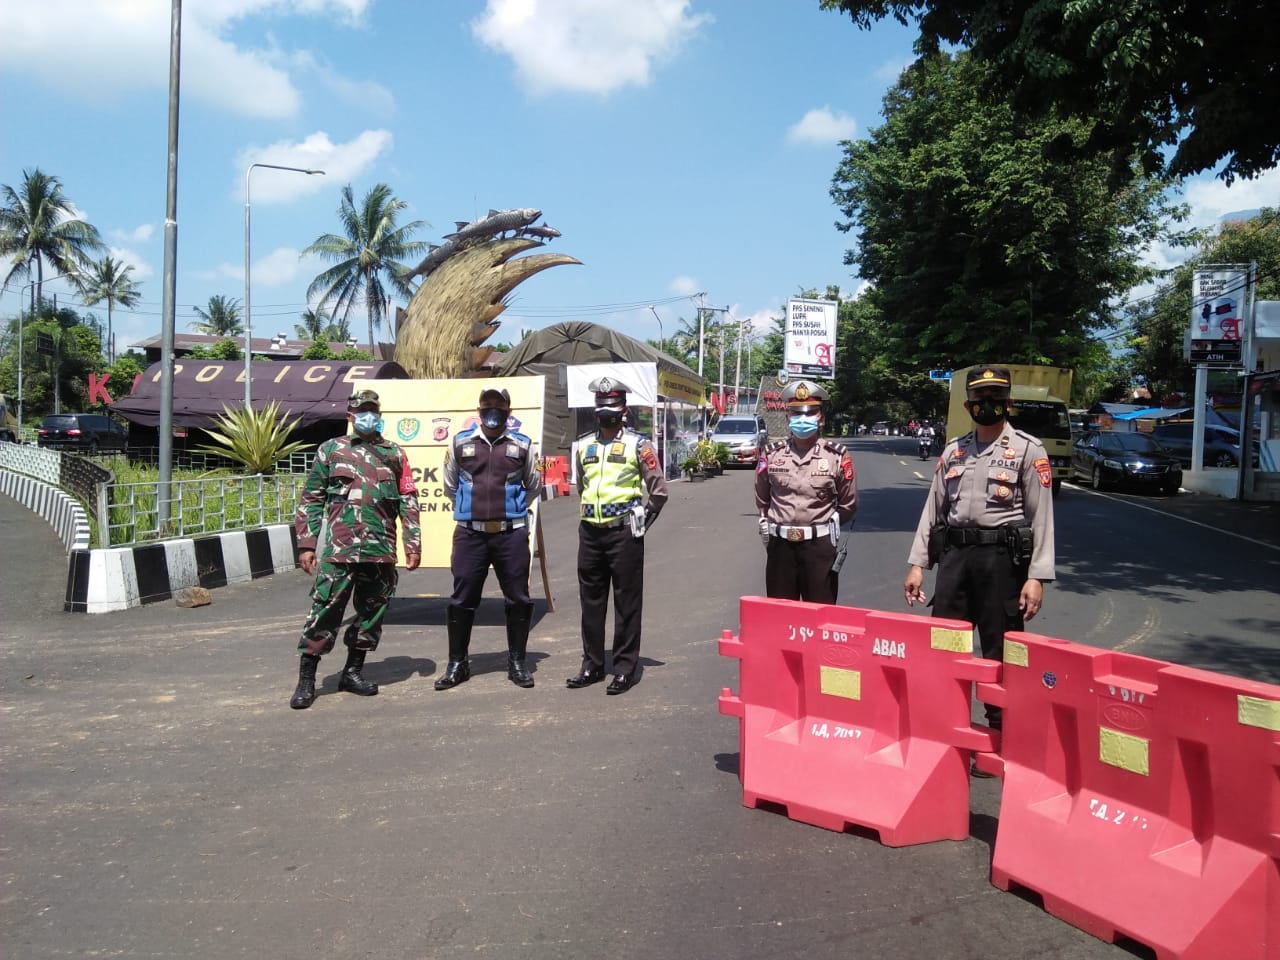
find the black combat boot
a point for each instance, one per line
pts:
(351, 681)
(518, 619)
(458, 671)
(306, 692)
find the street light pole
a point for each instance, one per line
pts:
(662, 339)
(248, 319)
(22, 296)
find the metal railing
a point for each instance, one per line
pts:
(297, 462)
(198, 507)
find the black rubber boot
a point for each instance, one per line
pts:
(306, 692)
(458, 621)
(351, 681)
(518, 619)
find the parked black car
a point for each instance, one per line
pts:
(86, 432)
(1107, 458)
(1221, 444)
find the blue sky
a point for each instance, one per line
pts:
(680, 146)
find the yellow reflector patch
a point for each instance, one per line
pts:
(1016, 653)
(957, 641)
(1256, 712)
(841, 683)
(1124, 750)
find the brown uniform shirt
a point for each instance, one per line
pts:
(1006, 481)
(797, 488)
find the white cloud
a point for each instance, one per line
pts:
(592, 46)
(822, 126)
(139, 234)
(131, 258)
(1211, 199)
(341, 163)
(890, 71)
(100, 49)
(684, 286)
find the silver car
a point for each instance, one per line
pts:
(745, 436)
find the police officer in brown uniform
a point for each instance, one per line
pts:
(616, 468)
(988, 522)
(806, 491)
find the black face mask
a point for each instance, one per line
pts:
(493, 418)
(608, 419)
(988, 411)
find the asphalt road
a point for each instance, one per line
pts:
(161, 800)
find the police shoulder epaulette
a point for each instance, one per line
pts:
(589, 435)
(776, 445)
(834, 447)
(521, 439)
(1026, 436)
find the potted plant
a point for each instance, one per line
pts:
(691, 467)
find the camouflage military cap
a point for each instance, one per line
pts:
(362, 398)
(987, 375)
(803, 396)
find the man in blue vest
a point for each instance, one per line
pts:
(491, 472)
(615, 468)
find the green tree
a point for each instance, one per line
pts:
(977, 244)
(52, 382)
(222, 319)
(1159, 324)
(224, 349)
(39, 226)
(318, 325)
(108, 279)
(318, 350)
(1142, 77)
(367, 255)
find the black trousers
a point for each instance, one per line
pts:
(610, 556)
(981, 583)
(474, 552)
(801, 570)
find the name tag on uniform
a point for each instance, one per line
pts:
(468, 450)
(591, 455)
(513, 451)
(617, 453)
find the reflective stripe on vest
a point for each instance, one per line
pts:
(611, 477)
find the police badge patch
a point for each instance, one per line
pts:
(1045, 470)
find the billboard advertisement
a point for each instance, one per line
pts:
(810, 344)
(1217, 307)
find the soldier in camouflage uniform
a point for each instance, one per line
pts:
(359, 484)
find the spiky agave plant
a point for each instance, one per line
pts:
(255, 438)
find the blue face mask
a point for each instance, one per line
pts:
(804, 426)
(492, 418)
(368, 422)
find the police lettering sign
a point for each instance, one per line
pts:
(810, 344)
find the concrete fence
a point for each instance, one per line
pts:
(63, 513)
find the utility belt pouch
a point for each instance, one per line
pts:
(1021, 542)
(937, 542)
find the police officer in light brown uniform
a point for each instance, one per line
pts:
(988, 522)
(806, 490)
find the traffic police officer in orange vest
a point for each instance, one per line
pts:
(616, 468)
(491, 473)
(988, 522)
(806, 492)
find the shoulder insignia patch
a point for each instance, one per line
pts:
(1046, 472)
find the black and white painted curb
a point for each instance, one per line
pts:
(62, 511)
(100, 581)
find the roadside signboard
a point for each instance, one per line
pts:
(810, 346)
(1218, 298)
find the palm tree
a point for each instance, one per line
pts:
(371, 249)
(315, 325)
(222, 319)
(109, 280)
(38, 224)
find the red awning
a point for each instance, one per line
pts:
(313, 390)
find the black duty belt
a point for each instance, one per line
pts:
(973, 536)
(606, 524)
(493, 526)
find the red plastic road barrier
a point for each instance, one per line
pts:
(1141, 799)
(854, 716)
(555, 473)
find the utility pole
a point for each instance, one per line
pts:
(737, 373)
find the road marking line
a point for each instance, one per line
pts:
(1175, 516)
